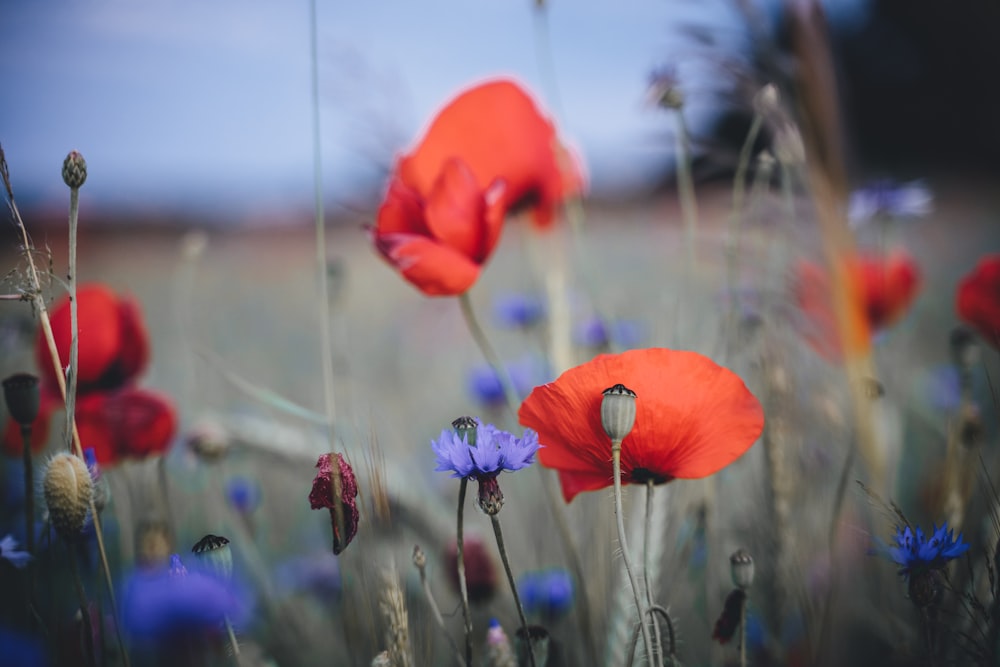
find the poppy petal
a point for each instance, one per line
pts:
(573, 483)
(133, 354)
(435, 269)
(402, 211)
(500, 133)
(978, 299)
(455, 211)
(99, 335)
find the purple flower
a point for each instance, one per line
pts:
(243, 494)
(597, 333)
(547, 593)
(886, 199)
(10, 553)
(525, 374)
(165, 605)
(316, 574)
(914, 552)
(21, 649)
(518, 310)
(493, 452)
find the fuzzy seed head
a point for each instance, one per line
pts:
(618, 412)
(74, 171)
(68, 490)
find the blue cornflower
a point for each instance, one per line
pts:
(886, 199)
(518, 310)
(525, 375)
(10, 553)
(547, 593)
(494, 452)
(243, 494)
(915, 552)
(597, 333)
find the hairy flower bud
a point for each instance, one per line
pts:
(74, 171)
(68, 490)
(741, 569)
(23, 398)
(618, 412)
(490, 495)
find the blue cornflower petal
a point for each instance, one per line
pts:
(886, 199)
(13, 555)
(494, 452)
(243, 494)
(518, 310)
(547, 593)
(914, 551)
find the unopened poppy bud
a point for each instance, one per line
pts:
(419, 557)
(215, 556)
(21, 393)
(490, 495)
(466, 427)
(618, 412)
(538, 640)
(767, 99)
(68, 490)
(74, 171)
(741, 569)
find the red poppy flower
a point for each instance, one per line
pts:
(489, 151)
(113, 341)
(879, 289)
(693, 418)
(978, 299)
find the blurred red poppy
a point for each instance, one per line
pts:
(116, 419)
(490, 151)
(114, 343)
(978, 299)
(879, 289)
(693, 418)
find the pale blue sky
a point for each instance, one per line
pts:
(205, 103)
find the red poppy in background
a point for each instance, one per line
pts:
(880, 290)
(978, 299)
(693, 418)
(115, 418)
(490, 151)
(113, 341)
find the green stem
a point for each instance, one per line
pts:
(88, 630)
(513, 587)
(326, 338)
(743, 633)
(489, 353)
(463, 585)
(436, 611)
(233, 644)
(739, 192)
(647, 567)
(29, 489)
(74, 345)
(685, 186)
(616, 461)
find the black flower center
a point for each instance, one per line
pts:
(643, 475)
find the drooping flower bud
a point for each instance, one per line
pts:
(74, 171)
(215, 556)
(618, 412)
(742, 569)
(23, 398)
(466, 427)
(490, 495)
(729, 619)
(68, 490)
(336, 488)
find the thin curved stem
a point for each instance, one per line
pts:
(652, 611)
(463, 585)
(743, 632)
(436, 612)
(29, 489)
(685, 187)
(231, 636)
(88, 629)
(326, 338)
(513, 587)
(616, 460)
(74, 344)
(478, 335)
(647, 567)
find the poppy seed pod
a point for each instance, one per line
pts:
(23, 398)
(215, 556)
(68, 488)
(741, 569)
(74, 170)
(537, 639)
(618, 412)
(466, 428)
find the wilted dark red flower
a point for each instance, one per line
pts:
(337, 491)
(489, 151)
(729, 619)
(978, 299)
(879, 291)
(113, 341)
(480, 570)
(693, 418)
